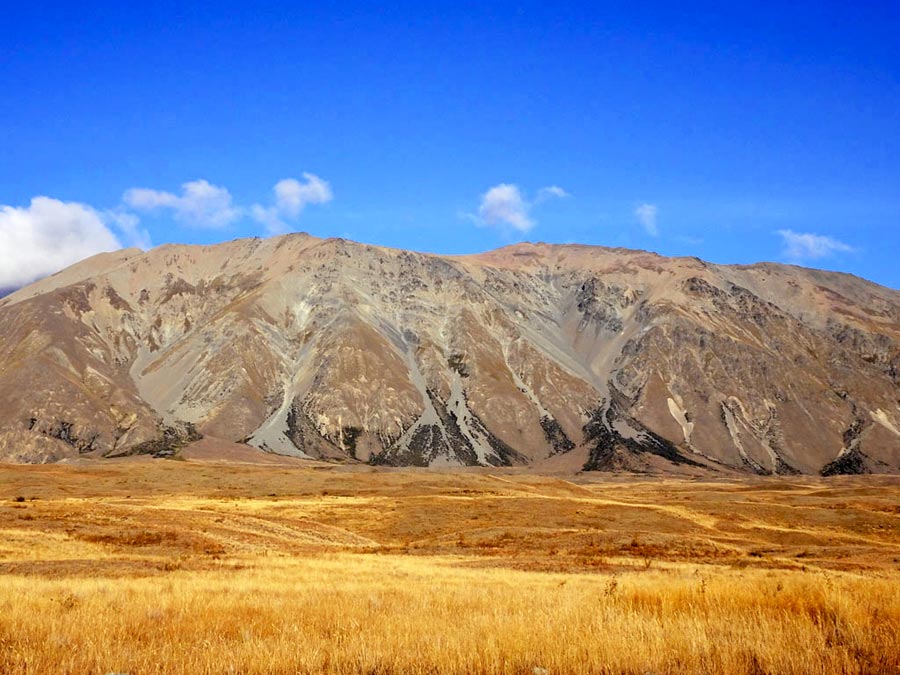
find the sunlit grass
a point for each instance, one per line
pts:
(483, 581)
(345, 613)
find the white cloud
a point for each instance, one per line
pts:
(145, 199)
(291, 197)
(269, 217)
(201, 204)
(805, 246)
(128, 224)
(50, 234)
(646, 215)
(46, 236)
(550, 192)
(504, 206)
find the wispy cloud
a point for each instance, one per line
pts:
(689, 239)
(291, 197)
(129, 225)
(48, 235)
(504, 206)
(550, 192)
(200, 204)
(799, 246)
(646, 215)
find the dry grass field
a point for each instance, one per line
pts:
(201, 567)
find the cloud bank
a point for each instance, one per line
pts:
(504, 206)
(799, 246)
(47, 236)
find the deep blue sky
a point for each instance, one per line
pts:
(735, 123)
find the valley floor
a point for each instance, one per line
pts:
(160, 566)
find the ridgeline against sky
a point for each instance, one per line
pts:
(736, 134)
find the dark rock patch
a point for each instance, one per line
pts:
(65, 431)
(166, 444)
(852, 462)
(610, 449)
(555, 435)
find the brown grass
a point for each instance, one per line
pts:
(186, 567)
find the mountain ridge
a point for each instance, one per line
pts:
(545, 355)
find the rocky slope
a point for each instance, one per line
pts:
(557, 357)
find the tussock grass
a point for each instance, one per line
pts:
(345, 613)
(600, 578)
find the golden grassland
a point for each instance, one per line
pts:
(192, 567)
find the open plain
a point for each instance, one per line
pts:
(161, 566)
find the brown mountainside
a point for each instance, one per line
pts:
(558, 357)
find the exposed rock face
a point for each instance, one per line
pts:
(550, 356)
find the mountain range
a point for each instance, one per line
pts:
(554, 357)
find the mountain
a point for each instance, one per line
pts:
(558, 357)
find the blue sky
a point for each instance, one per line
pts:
(735, 133)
